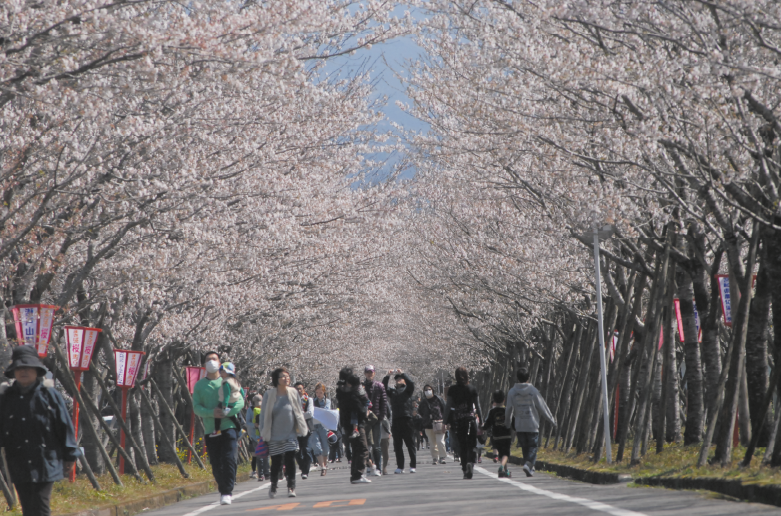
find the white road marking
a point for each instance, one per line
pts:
(217, 504)
(585, 502)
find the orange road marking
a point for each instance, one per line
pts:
(284, 507)
(356, 501)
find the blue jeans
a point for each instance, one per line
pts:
(528, 441)
(318, 441)
(222, 456)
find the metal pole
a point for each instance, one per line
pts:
(122, 431)
(77, 375)
(605, 407)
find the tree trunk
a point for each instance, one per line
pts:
(91, 451)
(579, 394)
(772, 240)
(150, 439)
(651, 340)
(737, 362)
(164, 378)
(134, 415)
(756, 351)
(695, 408)
(711, 349)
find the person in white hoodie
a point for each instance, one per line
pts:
(527, 405)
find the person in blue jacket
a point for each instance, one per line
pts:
(36, 432)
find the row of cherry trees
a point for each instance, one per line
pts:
(657, 117)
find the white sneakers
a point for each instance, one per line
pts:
(398, 471)
(528, 471)
(362, 480)
(412, 470)
(225, 499)
(375, 472)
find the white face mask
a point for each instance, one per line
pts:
(429, 394)
(212, 366)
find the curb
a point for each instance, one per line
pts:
(157, 501)
(769, 494)
(766, 494)
(582, 475)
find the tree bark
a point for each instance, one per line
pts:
(756, 352)
(737, 360)
(580, 391)
(164, 378)
(695, 408)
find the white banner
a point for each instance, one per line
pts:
(327, 418)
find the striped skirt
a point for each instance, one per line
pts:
(280, 447)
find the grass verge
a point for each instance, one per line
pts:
(80, 496)
(676, 461)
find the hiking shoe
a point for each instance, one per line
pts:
(398, 471)
(362, 480)
(272, 492)
(528, 471)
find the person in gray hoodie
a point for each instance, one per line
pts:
(527, 405)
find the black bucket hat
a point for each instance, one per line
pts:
(25, 356)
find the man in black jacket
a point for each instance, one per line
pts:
(399, 396)
(36, 432)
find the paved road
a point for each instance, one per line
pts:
(440, 490)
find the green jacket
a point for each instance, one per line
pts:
(207, 397)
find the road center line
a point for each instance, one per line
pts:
(217, 504)
(585, 502)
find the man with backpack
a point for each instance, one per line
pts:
(36, 432)
(525, 402)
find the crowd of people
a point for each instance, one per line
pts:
(283, 426)
(365, 414)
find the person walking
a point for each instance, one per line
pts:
(501, 433)
(302, 457)
(375, 390)
(281, 423)
(252, 430)
(462, 409)
(352, 400)
(385, 436)
(399, 396)
(432, 411)
(525, 402)
(221, 440)
(36, 432)
(318, 441)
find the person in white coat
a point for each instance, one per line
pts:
(282, 422)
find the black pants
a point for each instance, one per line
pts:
(360, 452)
(222, 455)
(302, 457)
(466, 432)
(35, 497)
(289, 459)
(403, 435)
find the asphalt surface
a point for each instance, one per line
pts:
(441, 490)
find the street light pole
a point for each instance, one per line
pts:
(605, 407)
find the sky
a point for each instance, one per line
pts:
(386, 63)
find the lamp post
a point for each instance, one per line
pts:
(193, 374)
(604, 233)
(127, 363)
(34, 326)
(81, 343)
